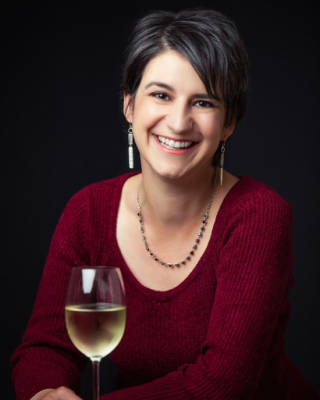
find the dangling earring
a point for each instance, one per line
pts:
(223, 149)
(130, 142)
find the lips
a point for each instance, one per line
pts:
(174, 144)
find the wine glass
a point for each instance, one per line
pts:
(95, 313)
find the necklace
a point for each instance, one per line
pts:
(200, 234)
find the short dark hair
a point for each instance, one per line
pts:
(209, 41)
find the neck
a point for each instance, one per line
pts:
(173, 202)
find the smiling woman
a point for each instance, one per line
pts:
(207, 268)
(171, 102)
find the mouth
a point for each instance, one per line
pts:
(174, 144)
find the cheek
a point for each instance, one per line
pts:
(208, 126)
(147, 114)
(212, 126)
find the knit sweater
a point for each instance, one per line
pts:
(217, 335)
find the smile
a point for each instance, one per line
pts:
(173, 144)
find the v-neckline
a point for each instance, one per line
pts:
(127, 271)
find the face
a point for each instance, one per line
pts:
(177, 126)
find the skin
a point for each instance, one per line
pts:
(172, 102)
(183, 112)
(62, 393)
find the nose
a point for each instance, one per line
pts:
(179, 119)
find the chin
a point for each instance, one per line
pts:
(171, 176)
(174, 169)
(171, 172)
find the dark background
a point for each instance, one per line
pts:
(61, 130)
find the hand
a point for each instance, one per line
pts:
(62, 393)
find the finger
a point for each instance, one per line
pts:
(61, 393)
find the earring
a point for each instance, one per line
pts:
(130, 142)
(223, 149)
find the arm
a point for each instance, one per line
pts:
(252, 279)
(46, 358)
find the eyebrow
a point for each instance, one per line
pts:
(160, 84)
(168, 87)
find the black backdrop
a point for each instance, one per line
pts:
(61, 130)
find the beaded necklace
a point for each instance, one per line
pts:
(200, 234)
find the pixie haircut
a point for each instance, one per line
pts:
(208, 40)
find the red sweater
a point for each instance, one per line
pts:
(217, 335)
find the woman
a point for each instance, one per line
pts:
(207, 263)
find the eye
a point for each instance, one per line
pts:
(160, 95)
(204, 104)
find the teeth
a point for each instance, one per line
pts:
(171, 143)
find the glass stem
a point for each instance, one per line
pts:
(96, 387)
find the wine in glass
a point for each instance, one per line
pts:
(95, 313)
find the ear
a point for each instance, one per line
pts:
(127, 107)
(228, 131)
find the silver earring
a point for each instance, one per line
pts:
(130, 142)
(223, 149)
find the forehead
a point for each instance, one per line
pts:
(173, 69)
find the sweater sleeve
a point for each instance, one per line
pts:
(254, 269)
(46, 358)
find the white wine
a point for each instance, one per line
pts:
(95, 329)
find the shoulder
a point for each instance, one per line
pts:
(249, 194)
(254, 227)
(95, 192)
(254, 206)
(94, 200)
